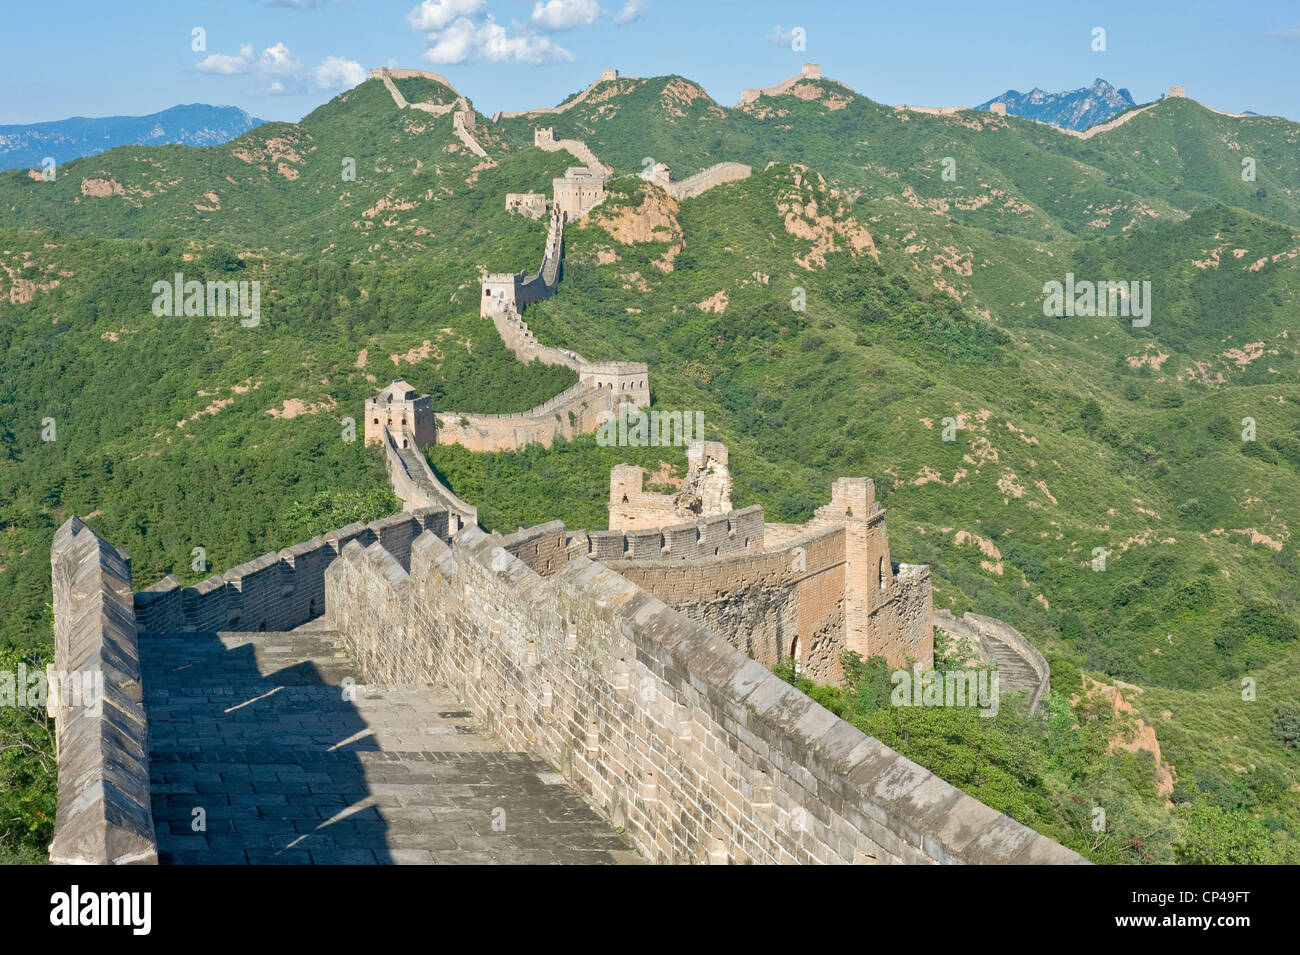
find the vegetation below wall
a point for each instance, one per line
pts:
(1057, 772)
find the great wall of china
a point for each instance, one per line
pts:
(630, 664)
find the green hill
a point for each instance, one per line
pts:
(924, 302)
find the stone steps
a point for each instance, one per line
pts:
(290, 761)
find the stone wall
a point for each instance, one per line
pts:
(386, 76)
(710, 537)
(530, 204)
(706, 179)
(572, 412)
(884, 615)
(605, 77)
(461, 123)
(700, 753)
(279, 590)
(415, 483)
(506, 292)
(809, 71)
(544, 548)
(1020, 666)
(103, 815)
(544, 139)
(769, 603)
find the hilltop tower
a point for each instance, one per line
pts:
(398, 407)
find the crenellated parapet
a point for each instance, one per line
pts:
(633, 702)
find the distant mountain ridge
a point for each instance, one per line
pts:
(1072, 109)
(25, 145)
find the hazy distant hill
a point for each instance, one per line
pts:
(1072, 109)
(197, 124)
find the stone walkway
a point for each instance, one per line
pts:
(254, 730)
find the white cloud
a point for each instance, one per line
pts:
(277, 61)
(228, 65)
(335, 73)
(437, 14)
(497, 47)
(462, 40)
(454, 44)
(277, 68)
(630, 12)
(565, 14)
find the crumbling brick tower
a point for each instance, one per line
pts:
(884, 614)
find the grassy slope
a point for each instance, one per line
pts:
(847, 387)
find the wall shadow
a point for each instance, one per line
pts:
(247, 768)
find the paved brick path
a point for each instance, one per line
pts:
(254, 729)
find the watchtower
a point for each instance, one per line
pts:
(399, 408)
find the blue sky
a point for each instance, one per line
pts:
(279, 59)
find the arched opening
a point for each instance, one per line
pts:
(261, 627)
(376, 421)
(404, 442)
(794, 652)
(311, 607)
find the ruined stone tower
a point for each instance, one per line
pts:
(884, 614)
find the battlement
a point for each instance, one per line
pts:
(712, 536)
(851, 498)
(281, 589)
(632, 702)
(605, 77)
(809, 71)
(701, 182)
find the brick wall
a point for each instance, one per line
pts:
(706, 179)
(768, 603)
(702, 754)
(709, 537)
(277, 591)
(573, 412)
